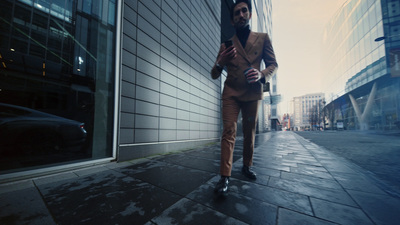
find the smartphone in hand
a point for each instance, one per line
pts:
(228, 43)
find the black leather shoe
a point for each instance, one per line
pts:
(248, 173)
(222, 186)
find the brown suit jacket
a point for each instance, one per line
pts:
(258, 48)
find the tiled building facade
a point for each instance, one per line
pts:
(167, 95)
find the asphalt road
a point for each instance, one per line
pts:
(376, 153)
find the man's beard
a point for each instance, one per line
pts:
(243, 23)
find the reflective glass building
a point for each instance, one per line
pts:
(361, 66)
(57, 82)
(92, 81)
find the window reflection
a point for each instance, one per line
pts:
(57, 58)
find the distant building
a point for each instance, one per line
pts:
(361, 65)
(304, 107)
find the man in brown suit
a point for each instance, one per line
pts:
(243, 90)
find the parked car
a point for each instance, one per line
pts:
(24, 130)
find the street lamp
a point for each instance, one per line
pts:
(384, 37)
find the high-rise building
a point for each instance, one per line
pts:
(262, 22)
(85, 81)
(361, 69)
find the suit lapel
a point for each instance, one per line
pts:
(239, 48)
(249, 45)
(250, 41)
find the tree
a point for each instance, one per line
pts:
(315, 115)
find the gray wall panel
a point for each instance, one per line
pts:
(128, 90)
(148, 95)
(147, 108)
(127, 104)
(168, 112)
(146, 122)
(126, 136)
(127, 120)
(146, 135)
(167, 94)
(148, 82)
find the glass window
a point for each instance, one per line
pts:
(86, 6)
(366, 24)
(380, 30)
(372, 16)
(378, 10)
(62, 74)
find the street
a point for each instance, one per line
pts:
(298, 182)
(376, 153)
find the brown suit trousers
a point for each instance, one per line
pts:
(230, 109)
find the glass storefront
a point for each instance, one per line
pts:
(57, 82)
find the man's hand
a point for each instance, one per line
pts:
(226, 56)
(253, 75)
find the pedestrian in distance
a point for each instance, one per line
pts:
(242, 56)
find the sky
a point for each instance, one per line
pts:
(297, 39)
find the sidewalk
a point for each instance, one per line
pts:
(298, 182)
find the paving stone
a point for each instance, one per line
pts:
(24, 206)
(186, 211)
(338, 213)
(333, 165)
(274, 166)
(267, 171)
(333, 195)
(286, 217)
(237, 168)
(178, 179)
(208, 153)
(141, 167)
(193, 162)
(383, 209)
(358, 182)
(103, 198)
(262, 173)
(236, 205)
(315, 181)
(319, 168)
(301, 156)
(273, 196)
(309, 171)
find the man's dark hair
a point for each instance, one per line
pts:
(248, 2)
